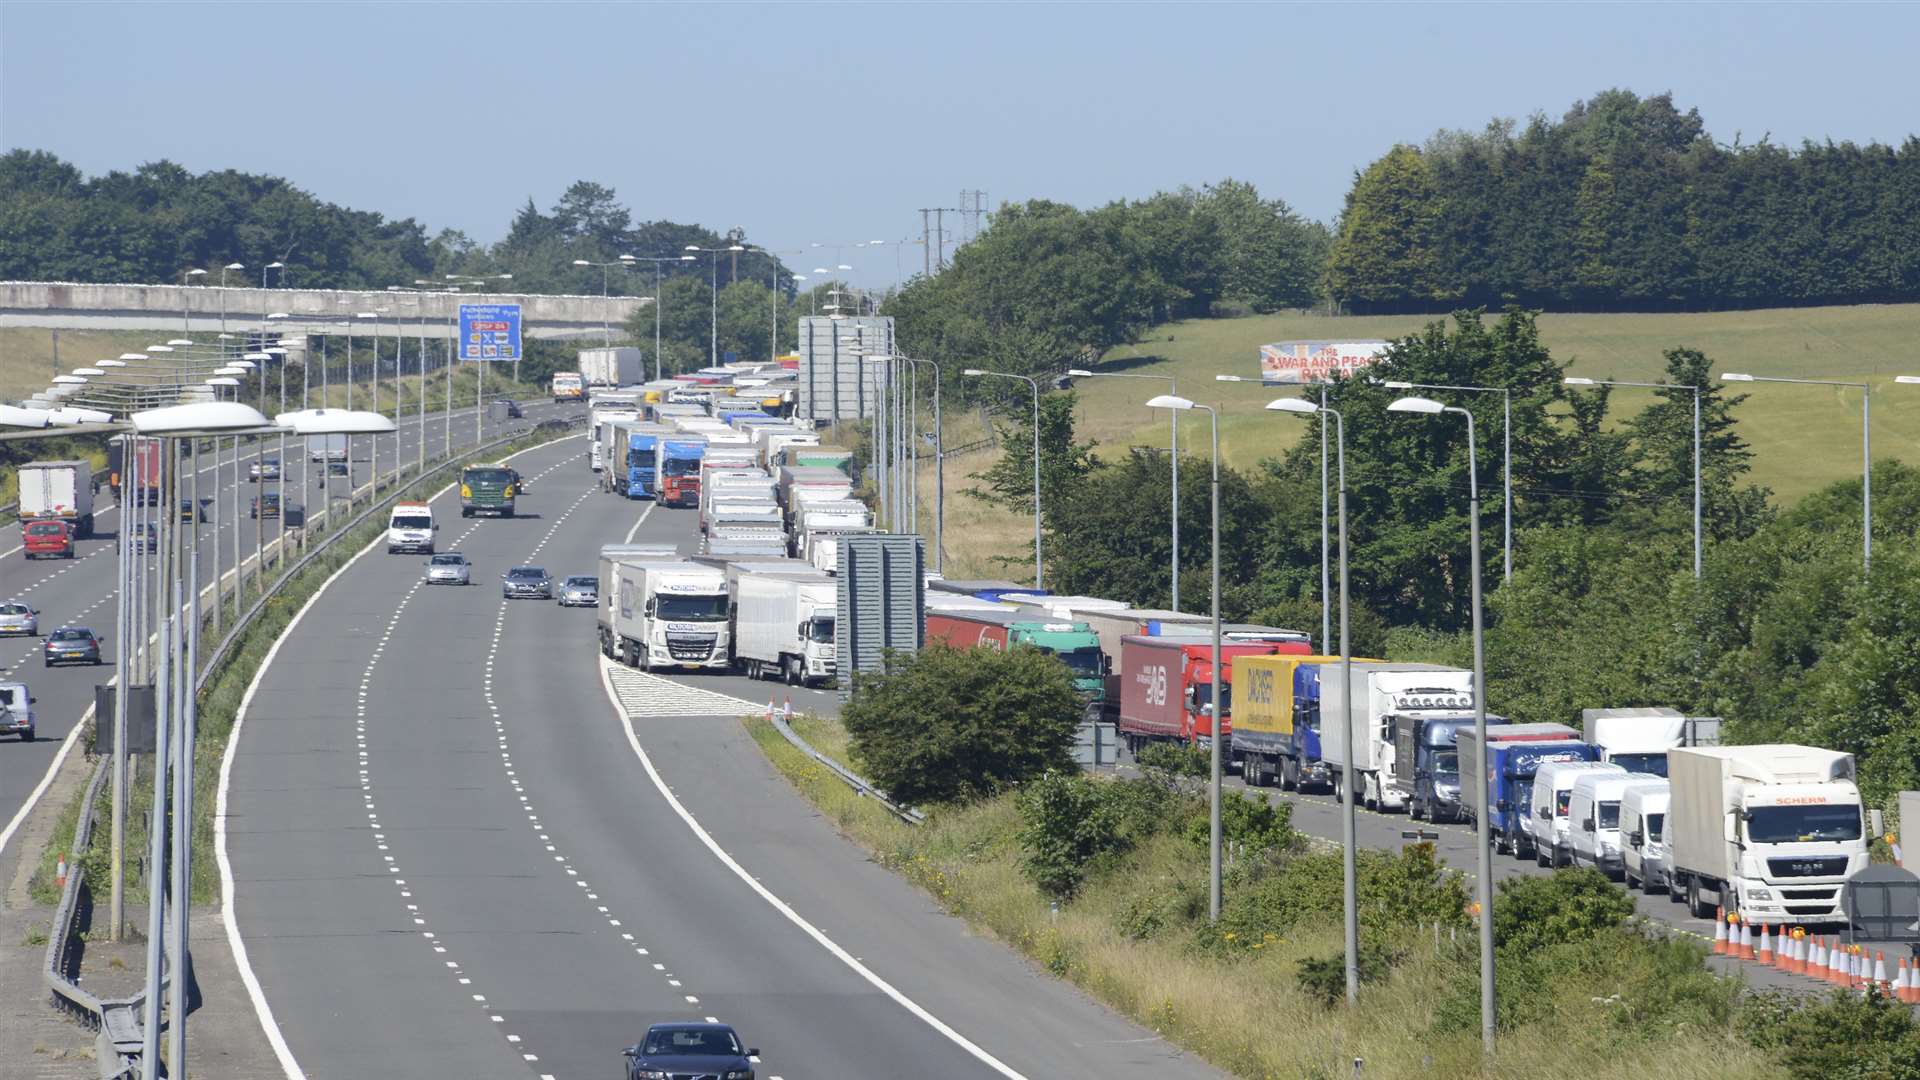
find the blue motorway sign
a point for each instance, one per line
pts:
(490, 331)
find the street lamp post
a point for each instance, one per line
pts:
(275, 265)
(1484, 864)
(1039, 581)
(1506, 456)
(939, 468)
(606, 328)
(1171, 401)
(1866, 448)
(657, 298)
(1348, 866)
(185, 318)
(1577, 381)
(1173, 444)
(714, 315)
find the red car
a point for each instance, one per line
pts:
(48, 538)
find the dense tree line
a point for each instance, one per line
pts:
(1046, 282)
(1626, 203)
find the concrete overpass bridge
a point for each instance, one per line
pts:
(201, 309)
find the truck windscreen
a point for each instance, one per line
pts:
(1655, 763)
(1655, 823)
(693, 608)
(1609, 815)
(820, 629)
(1803, 824)
(688, 466)
(640, 459)
(1085, 663)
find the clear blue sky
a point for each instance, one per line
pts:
(806, 123)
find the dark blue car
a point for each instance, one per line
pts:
(674, 1050)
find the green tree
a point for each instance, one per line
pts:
(1064, 463)
(947, 725)
(1386, 254)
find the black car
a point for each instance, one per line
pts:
(72, 645)
(703, 1050)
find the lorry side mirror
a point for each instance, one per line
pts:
(1733, 828)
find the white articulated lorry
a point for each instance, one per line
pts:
(659, 610)
(1770, 831)
(58, 489)
(1382, 692)
(612, 367)
(783, 619)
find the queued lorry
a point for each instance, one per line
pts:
(142, 462)
(1507, 764)
(1771, 831)
(614, 366)
(599, 421)
(974, 624)
(1269, 732)
(680, 470)
(1380, 693)
(783, 621)
(58, 491)
(1166, 689)
(1637, 740)
(661, 611)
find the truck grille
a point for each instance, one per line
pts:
(690, 646)
(1809, 867)
(1827, 893)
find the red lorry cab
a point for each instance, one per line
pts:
(48, 538)
(1166, 682)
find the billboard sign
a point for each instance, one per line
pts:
(489, 332)
(1296, 362)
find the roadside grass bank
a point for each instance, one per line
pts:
(219, 705)
(1257, 993)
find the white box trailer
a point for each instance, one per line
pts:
(58, 489)
(597, 421)
(616, 366)
(819, 541)
(1637, 739)
(1771, 831)
(783, 623)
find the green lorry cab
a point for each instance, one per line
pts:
(487, 489)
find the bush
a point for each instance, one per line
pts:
(950, 725)
(1250, 821)
(1175, 759)
(1396, 891)
(1845, 1037)
(1065, 824)
(1324, 978)
(1572, 905)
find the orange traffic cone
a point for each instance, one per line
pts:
(1880, 972)
(1745, 944)
(1816, 958)
(1837, 966)
(1764, 951)
(1720, 931)
(1797, 959)
(60, 872)
(769, 708)
(1910, 977)
(786, 706)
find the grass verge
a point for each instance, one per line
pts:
(219, 706)
(1135, 938)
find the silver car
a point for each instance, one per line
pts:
(524, 582)
(17, 618)
(449, 568)
(264, 469)
(72, 645)
(16, 710)
(580, 591)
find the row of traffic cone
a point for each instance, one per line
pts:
(785, 711)
(1798, 953)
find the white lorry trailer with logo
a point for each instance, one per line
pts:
(783, 621)
(659, 610)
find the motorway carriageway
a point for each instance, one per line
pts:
(449, 858)
(80, 591)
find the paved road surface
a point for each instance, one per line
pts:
(81, 591)
(450, 859)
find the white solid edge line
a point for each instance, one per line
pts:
(812, 931)
(47, 780)
(642, 521)
(264, 1011)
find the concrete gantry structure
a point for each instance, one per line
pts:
(200, 309)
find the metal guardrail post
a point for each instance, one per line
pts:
(905, 813)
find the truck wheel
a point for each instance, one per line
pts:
(1416, 811)
(1697, 901)
(1289, 775)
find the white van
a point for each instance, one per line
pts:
(1552, 795)
(410, 527)
(1643, 835)
(1593, 815)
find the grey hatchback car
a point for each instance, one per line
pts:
(72, 645)
(526, 582)
(19, 618)
(449, 568)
